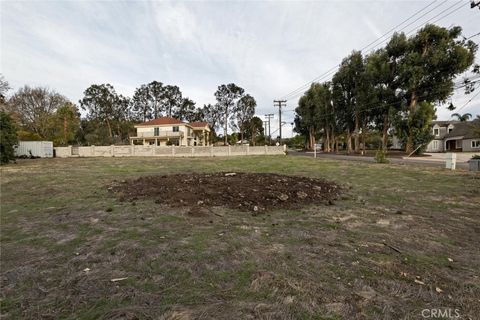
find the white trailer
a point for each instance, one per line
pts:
(42, 149)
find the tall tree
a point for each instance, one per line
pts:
(343, 96)
(186, 111)
(172, 99)
(148, 102)
(209, 113)
(253, 129)
(34, 107)
(8, 138)
(433, 58)
(102, 103)
(64, 124)
(243, 113)
(227, 96)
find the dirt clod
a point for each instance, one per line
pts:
(244, 191)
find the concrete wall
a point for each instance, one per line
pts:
(171, 151)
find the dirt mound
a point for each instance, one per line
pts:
(244, 191)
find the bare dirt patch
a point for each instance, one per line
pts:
(244, 191)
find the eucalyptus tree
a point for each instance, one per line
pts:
(103, 104)
(227, 96)
(343, 97)
(433, 58)
(243, 113)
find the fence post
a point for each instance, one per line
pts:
(266, 149)
(285, 149)
(111, 150)
(93, 151)
(211, 150)
(193, 151)
(229, 150)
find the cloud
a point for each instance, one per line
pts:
(269, 48)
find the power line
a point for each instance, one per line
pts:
(300, 90)
(469, 100)
(333, 68)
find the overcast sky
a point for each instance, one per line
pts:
(268, 48)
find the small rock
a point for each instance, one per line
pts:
(200, 202)
(86, 269)
(282, 197)
(438, 290)
(255, 208)
(302, 195)
(230, 174)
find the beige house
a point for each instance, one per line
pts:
(170, 131)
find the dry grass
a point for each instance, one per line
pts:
(357, 259)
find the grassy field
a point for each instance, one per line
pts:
(399, 240)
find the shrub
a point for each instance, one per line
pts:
(8, 138)
(381, 156)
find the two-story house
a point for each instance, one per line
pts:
(453, 136)
(170, 131)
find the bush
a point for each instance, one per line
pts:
(8, 138)
(381, 156)
(476, 157)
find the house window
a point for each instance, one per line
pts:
(435, 144)
(156, 131)
(475, 143)
(450, 130)
(175, 129)
(435, 132)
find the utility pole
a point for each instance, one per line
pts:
(269, 116)
(280, 104)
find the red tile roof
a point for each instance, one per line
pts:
(160, 121)
(198, 124)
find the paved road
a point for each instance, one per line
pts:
(428, 163)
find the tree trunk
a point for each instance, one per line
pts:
(349, 142)
(356, 133)
(326, 143)
(385, 133)
(413, 105)
(333, 140)
(364, 130)
(109, 127)
(311, 138)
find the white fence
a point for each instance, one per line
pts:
(172, 151)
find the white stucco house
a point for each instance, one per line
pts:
(454, 136)
(170, 131)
